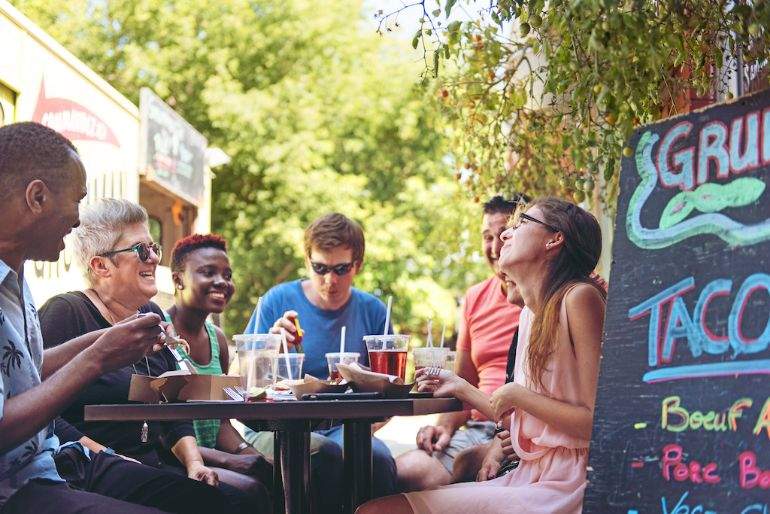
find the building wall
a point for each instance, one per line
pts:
(41, 81)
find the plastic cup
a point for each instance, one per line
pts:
(388, 353)
(287, 366)
(449, 363)
(334, 358)
(430, 356)
(255, 358)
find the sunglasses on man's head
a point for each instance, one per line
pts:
(142, 251)
(338, 269)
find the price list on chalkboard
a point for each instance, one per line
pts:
(682, 418)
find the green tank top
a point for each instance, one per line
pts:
(206, 430)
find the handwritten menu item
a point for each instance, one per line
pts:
(172, 152)
(682, 419)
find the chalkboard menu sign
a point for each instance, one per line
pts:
(682, 419)
(172, 152)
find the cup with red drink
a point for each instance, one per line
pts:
(388, 353)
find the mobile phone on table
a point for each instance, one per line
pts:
(341, 396)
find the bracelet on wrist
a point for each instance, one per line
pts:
(239, 449)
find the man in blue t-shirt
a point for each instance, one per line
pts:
(324, 303)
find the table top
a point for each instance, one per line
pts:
(288, 410)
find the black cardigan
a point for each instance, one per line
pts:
(70, 315)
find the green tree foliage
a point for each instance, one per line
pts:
(563, 83)
(318, 115)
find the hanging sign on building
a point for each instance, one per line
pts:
(172, 153)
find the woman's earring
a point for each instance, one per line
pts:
(179, 286)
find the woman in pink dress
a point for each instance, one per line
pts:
(549, 253)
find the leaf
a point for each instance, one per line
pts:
(415, 42)
(448, 7)
(677, 209)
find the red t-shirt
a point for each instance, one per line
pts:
(487, 325)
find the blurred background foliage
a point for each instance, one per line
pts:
(319, 114)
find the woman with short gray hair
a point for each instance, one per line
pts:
(118, 256)
(101, 227)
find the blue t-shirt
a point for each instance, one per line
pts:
(363, 314)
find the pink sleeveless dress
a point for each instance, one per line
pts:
(551, 477)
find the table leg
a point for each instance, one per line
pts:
(358, 462)
(295, 467)
(277, 478)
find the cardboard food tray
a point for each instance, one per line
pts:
(365, 381)
(312, 385)
(180, 386)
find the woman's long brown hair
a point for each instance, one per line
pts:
(574, 263)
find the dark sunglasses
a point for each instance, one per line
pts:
(338, 269)
(142, 251)
(523, 216)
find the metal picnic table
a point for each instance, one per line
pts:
(292, 422)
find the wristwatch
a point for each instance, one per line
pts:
(242, 447)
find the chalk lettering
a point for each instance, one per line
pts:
(674, 468)
(669, 305)
(682, 508)
(675, 418)
(749, 474)
(763, 421)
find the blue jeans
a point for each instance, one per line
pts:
(383, 465)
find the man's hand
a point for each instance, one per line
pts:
(434, 438)
(197, 471)
(127, 342)
(285, 325)
(491, 463)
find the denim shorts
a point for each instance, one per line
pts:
(474, 433)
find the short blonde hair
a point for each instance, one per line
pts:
(101, 227)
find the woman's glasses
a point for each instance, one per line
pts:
(523, 216)
(338, 269)
(142, 251)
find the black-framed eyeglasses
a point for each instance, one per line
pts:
(142, 251)
(338, 269)
(524, 216)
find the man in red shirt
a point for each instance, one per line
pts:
(452, 450)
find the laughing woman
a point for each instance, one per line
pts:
(203, 281)
(549, 253)
(119, 258)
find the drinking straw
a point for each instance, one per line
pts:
(430, 333)
(253, 356)
(387, 316)
(286, 354)
(342, 340)
(443, 329)
(387, 321)
(259, 314)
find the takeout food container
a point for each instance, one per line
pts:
(312, 385)
(180, 386)
(366, 381)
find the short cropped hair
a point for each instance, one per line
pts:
(189, 244)
(500, 205)
(31, 151)
(101, 227)
(334, 230)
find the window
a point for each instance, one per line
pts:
(7, 105)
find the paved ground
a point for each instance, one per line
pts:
(400, 432)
